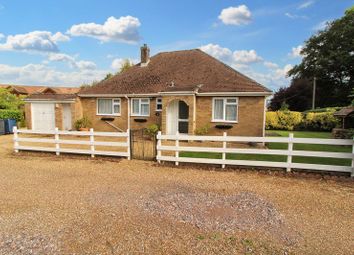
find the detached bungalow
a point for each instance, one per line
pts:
(182, 91)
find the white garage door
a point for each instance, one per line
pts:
(43, 116)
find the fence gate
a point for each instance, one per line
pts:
(143, 145)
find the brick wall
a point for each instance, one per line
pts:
(89, 109)
(250, 117)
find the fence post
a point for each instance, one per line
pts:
(290, 151)
(224, 147)
(128, 142)
(352, 174)
(177, 151)
(158, 147)
(92, 141)
(57, 146)
(15, 139)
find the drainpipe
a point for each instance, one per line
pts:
(194, 111)
(128, 101)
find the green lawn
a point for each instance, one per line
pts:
(280, 158)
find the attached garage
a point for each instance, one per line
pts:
(45, 112)
(43, 116)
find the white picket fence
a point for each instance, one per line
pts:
(224, 150)
(58, 142)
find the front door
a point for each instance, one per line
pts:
(177, 117)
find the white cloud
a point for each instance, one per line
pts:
(117, 62)
(246, 57)
(2, 36)
(306, 4)
(320, 26)
(217, 51)
(239, 57)
(294, 16)
(41, 74)
(270, 65)
(240, 15)
(37, 41)
(274, 77)
(73, 63)
(124, 29)
(296, 52)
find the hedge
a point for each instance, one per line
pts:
(11, 114)
(289, 120)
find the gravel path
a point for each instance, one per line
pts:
(78, 205)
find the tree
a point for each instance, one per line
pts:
(125, 66)
(9, 101)
(108, 76)
(329, 56)
(297, 96)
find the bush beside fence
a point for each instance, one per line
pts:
(290, 120)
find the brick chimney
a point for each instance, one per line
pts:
(145, 55)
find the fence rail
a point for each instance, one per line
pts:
(289, 152)
(57, 141)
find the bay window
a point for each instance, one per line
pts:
(140, 107)
(225, 109)
(108, 106)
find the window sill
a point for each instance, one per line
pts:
(224, 121)
(143, 116)
(111, 115)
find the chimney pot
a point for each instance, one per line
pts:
(145, 54)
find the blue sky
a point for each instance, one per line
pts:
(72, 42)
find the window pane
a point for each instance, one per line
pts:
(135, 107)
(104, 106)
(231, 112)
(231, 100)
(145, 100)
(218, 109)
(159, 106)
(144, 109)
(116, 108)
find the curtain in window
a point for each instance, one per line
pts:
(231, 112)
(144, 109)
(135, 109)
(104, 106)
(218, 109)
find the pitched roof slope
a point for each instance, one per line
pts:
(184, 68)
(27, 89)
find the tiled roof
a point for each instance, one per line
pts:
(344, 111)
(187, 68)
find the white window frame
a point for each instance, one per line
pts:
(158, 103)
(224, 109)
(140, 103)
(113, 104)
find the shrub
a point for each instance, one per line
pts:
(286, 120)
(84, 122)
(152, 130)
(202, 130)
(320, 121)
(11, 114)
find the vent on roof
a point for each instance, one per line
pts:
(172, 84)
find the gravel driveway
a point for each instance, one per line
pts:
(78, 205)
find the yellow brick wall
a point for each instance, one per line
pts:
(28, 116)
(250, 117)
(89, 109)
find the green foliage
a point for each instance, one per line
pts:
(9, 100)
(284, 106)
(108, 76)
(152, 130)
(326, 109)
(88, 85)
(202, 130)
(328, 56)
(125, 66)
(288, 120)
(84, 122)
(283, 120)
(11, 114)
(324, 121)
